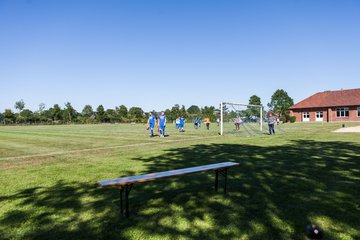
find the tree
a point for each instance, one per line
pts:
(280, 102)
(167, 113)
(100, 113)
(87, 111)
(39, 115)
(193, 109)
(136, 114)
(56, 112)
(46, 115)
(27, 115)
(69, 112)
(174, 112)
(254, 111)
(41, 107)
(20, 105)
(110, 115)
(9, 116)
(183, 111)
(254, 100)
(122, 111)
(87, 115)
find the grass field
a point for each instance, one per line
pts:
(306, 174)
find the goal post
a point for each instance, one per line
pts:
(239, 114)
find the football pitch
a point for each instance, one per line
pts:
(305, 174)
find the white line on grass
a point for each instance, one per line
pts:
(96, 149)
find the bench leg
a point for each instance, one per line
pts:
(216, 180)
(121, 201)
(223, 173)
(225, 176)
(127, 192)
(127, 189)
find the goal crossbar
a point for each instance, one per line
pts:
(240, 104)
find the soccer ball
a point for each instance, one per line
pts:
(314, 232)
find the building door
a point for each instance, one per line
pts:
(306, 116)
(319, 116)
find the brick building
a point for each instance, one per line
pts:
(329, 106)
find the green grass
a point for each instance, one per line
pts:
(306, 174)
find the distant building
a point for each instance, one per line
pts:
(329, 106)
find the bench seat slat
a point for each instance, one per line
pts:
(153, 176)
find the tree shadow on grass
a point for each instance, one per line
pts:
(274, 194)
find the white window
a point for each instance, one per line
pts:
(358, 111)
(342, 112)
(306, 116)
(319, 116)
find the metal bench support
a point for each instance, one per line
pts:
(127, 189)
(223, 172)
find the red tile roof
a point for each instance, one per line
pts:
(340, 98)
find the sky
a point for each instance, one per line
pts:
(155, 54)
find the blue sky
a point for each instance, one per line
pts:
(154, 54)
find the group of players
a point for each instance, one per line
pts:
(161, 120)
(180, 122)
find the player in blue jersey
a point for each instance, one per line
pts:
(151, 123)
(162, 124)
(196, 122)
(181, 125)
(177, 122)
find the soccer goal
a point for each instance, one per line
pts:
(241, 119)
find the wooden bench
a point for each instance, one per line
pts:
(126, 183)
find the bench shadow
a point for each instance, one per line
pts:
(274, 194)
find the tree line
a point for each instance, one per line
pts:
(279, 104)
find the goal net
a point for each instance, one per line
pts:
(241, 119)
(245, 120)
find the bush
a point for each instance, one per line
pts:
(292, 119)
(282, 119)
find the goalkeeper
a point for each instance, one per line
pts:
(271, 122)
(237, 123)
(151, 124)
